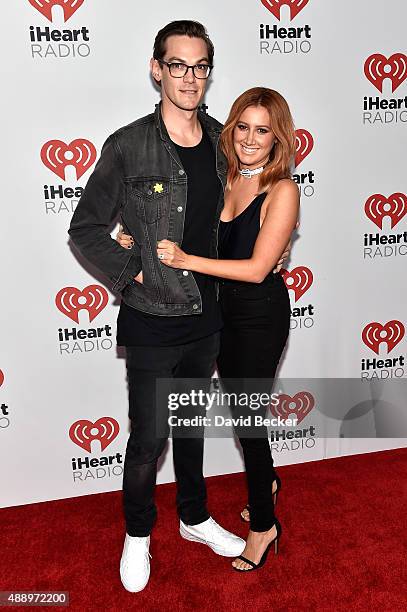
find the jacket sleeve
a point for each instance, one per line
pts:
(98, 207)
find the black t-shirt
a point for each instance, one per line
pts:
(136, 328)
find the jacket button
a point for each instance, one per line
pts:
(179, 208)
(149, 192)
(195, 306)
(181, 172)
(185, 273)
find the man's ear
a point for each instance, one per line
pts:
(155, 70)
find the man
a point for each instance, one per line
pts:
(165, 176)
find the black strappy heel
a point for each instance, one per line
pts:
(275, 496)
(255, 566)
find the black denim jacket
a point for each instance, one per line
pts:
(139, 176)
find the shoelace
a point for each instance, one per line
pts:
(146, 551)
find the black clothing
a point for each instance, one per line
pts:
(139, 175)
(148, 422)
(256, 325)
(238, 237)
(136, 328)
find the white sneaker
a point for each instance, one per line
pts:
(209, 532)
(135, 563)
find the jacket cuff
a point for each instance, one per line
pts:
(131, 269)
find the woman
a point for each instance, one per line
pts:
(260, 213)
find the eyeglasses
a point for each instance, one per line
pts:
(179, 70)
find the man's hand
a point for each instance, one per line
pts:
(286, 253)
(283, 258)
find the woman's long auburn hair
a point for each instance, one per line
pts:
(283, 151)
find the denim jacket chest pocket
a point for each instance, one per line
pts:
(150, 198)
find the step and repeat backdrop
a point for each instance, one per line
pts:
(74, 71)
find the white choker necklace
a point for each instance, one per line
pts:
(249, 173)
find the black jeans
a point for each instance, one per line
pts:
(144, 366)
(256, 326)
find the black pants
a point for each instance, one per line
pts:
(144, 366)
(256, 326)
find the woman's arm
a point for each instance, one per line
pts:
(279, 222)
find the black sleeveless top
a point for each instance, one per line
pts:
(236, 238)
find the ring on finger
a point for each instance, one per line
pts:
(161, 256)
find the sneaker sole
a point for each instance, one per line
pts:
(133, 590)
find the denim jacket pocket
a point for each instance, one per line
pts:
(151, 198)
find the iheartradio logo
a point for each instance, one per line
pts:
(391, 333)
(300, 404)
(45, 7)
(377, 207)
(56, 155)
(378, 68)
(299, 280)
(1, 378)
(304, 143)
(274, 6)
(71, 300)
(83, 432)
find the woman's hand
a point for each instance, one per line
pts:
(171, 255)
(126, 241)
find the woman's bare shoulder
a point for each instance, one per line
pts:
(285, 186)
(284, 189)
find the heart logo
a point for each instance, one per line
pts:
(274, 6)
(300, 404)
(71, 300)
(1, 378)
(304, 143)
(45, 7)
(56, 156)
(391, 333)
(299, 280)
(378, 206)
(83, 432)
(378, 68)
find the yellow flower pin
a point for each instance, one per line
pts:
(158, 188)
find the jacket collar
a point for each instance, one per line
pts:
(210, 126)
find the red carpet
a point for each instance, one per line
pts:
(343, 546)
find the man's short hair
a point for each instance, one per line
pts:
(193, 29)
